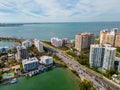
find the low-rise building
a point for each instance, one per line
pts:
(116, 78)
(15, 68)
(4, 49)
(46, 60)
(30, 64)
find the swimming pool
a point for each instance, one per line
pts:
(7, 76)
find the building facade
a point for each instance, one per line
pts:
(96, 55)
(56, 42)
(22, 53)
(109, 57)
(4, 49)
(64, 41)
(83, 41)
(46, 60)
(27, 43)
(102, 56)
(117, 40)
(111, 37)
(30, 64)
(38, 45)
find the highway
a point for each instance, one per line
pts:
(98, 82)
(82, 72)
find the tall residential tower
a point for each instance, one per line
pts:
(112, 38)
(102, 56)
(83, 41)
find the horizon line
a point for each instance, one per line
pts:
(57, 22)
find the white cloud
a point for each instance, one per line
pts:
(59, 10)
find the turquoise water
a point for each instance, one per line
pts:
(101, 70)
(45, 31)
(9, 75)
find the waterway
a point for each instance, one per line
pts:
(56, 79)
(7, 43)
(44, 31)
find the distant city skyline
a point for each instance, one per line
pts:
(59, 10)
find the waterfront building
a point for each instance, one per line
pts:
(56, 42)
(38, 45)
(111, 37)
(4, 49)
(27, 43)
(109, 57)
(102, 56)
(64, 41)
(83, 41)
(96, 55)
(22, 53)
(46, 60)
(30, 64)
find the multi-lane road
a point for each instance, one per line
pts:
(98, 82)
(81, 71)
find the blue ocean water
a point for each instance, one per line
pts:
(5, 43)
(44, 31)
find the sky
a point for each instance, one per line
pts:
(59, 10)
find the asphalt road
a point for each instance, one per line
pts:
(98, 82)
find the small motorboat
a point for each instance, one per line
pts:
(13, 81)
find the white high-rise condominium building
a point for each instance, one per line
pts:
(96, 55)
(22, 53)
(30, 64)
(56, 42)
(38, 45)
(109, 58)
(102, 56)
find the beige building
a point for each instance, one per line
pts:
(83, 41)
(111, 38)
(117, 40)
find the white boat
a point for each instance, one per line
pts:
(13, 81)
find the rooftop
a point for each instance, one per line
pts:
(118, 34)
(30, 60)
(84, 34)
(45, 57)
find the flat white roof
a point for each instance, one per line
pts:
(45, 57)
(30, 60)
